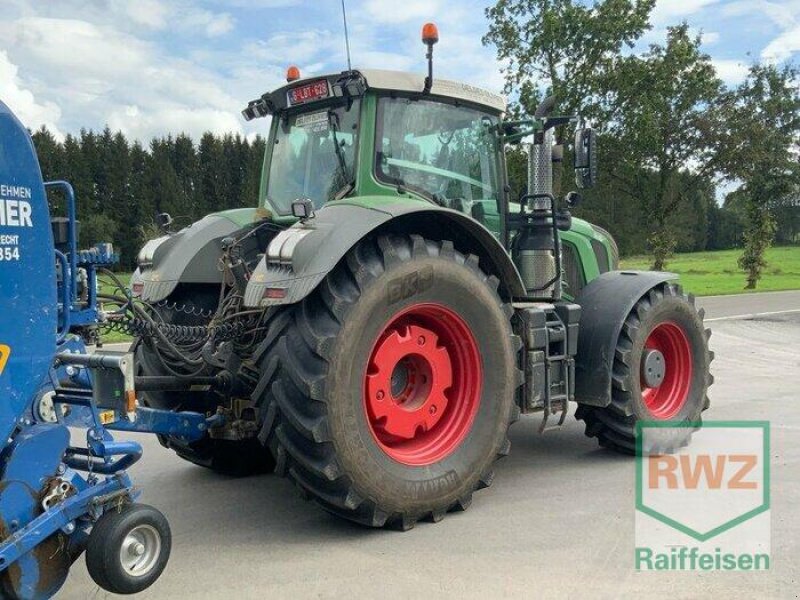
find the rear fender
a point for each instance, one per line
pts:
(299, 258)
(605, 304)
(189, 256)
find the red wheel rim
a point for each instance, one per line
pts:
(666, 400)
(422, 386)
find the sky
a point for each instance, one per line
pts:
(152, 67)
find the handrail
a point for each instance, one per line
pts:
(72, 215)
(61, 333)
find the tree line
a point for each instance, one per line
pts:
(121, 185)
(669, 133)
(670, 130)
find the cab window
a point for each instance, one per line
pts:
(443, 151)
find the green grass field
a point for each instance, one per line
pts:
(106, 287)
(716, 273)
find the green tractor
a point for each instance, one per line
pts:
(373, 328)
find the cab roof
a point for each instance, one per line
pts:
(378, 79)
(412, 82)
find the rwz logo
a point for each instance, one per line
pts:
(715, 478)
(684, 471)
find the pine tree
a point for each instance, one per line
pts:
(50, 152)
(251, 181)
(210, 191)
(162, 180)
(184, 161)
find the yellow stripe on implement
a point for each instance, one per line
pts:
(5, 352)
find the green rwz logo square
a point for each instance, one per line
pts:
(703, 495)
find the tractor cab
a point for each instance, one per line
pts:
(373, 132)
(382, 136)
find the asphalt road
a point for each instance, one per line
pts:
(557, 522)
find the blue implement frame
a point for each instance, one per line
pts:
(52, 492)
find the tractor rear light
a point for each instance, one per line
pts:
(274, 293)
(137, 283)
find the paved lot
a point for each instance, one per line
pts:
(558, 521)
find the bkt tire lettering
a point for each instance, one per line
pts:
(411, 284)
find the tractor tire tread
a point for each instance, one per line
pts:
(298, 433)
(614, 425)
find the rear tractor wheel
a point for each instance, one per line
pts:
(660, 373)
(392, 389)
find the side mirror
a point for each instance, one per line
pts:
(163, 221)
(585, 158)
(573, 200)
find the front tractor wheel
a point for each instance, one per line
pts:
(392, 390)
(660, 373)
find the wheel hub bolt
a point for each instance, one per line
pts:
(379, 395)
(421, 340)
(138, 549)
(432, 409)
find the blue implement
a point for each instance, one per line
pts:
(53, 495)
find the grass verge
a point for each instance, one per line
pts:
(106, 287)
(716, 273)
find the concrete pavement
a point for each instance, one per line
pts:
(558, 521)
(741, 305)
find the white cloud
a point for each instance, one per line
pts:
(150, 13)
(23, 103)
(783, 14)
(463, 53)
(783, 46)
(176, 119)
(213, 24)
(177, 17)
(151, 67)
(730, 71)
(70, 45)
(459, 55)
(98, 73)
(144, 68)
(392, 11)
(259, 4)
(668, 12)
(298, 47)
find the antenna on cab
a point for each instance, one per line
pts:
(346, 37)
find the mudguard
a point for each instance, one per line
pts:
(299, 258)
(605, 304)
(190, 256)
